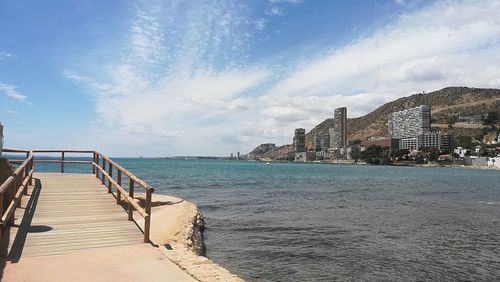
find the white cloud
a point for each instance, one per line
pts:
(4, 55)
(12, 92)
(183, 80)
(259, 23)
(185, 85)
(73, 75)
(446, 44)
(442, 45)
(275, 11)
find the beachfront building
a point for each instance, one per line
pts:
(338, 134)
(305, 156)
(317, 142)
(461, 152)
(410, 123)
(325, 141)
(299, 140)
(321, 142)
(391, 143)
(431, 139)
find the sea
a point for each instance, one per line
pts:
(334, 222)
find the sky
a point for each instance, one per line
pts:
(184, 77)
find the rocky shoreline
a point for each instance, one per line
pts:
(177, 229)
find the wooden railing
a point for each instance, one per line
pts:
(15, 187)
(120, 191)
(103, 168)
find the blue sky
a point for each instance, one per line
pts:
(166, 78)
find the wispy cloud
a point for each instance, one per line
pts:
(445, 44)
(275, 11)
(4, 55)
(12, 92)
(184, 73)
(73, 75)
(185, 83)
(437, 46)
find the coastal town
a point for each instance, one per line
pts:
(410, 140)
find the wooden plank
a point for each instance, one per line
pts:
(72, 212)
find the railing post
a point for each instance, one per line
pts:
(62, 162)
(93, 160)
(26, 173)
(147, 219)
(104, 169)
(13, 186)
(110, 172)
(31, 167)
(1, 205)
(131, 194)
(97, 163)
(119, 181)
(19, 184)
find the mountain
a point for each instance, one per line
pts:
(446, 106)
(269, 151)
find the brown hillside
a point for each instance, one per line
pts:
(445, 104)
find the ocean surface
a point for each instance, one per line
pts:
(318, 222)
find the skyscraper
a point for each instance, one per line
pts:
(410, 122)
(299, 140)
(338, 134)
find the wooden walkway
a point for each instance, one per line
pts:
(65, 213)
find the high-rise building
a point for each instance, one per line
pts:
(325, 141)
(437, 140)
(338, 134)
(299, 140)
(317, 142)
(410, 123)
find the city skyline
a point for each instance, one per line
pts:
(155, 77)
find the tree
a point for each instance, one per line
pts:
(432, 152)
(492, 118)
(464, 141)
(399, 154)
(376, 155)
(356, 154)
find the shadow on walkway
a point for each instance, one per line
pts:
(13, 254)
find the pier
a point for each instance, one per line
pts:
(61, 226)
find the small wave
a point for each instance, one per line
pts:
(489, 202)
(175, 187)
(209, 207)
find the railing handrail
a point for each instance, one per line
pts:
(96, 168)
(137, 180)
(9, 150)
(18, 184)
(66, 151)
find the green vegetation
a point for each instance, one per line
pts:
(376, 155)
(492, 119)
(432, 153)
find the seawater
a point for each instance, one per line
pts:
(316, 222)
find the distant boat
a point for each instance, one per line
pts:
(267, 163)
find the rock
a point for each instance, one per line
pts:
(6, 170)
